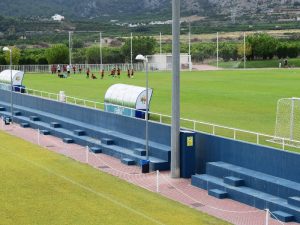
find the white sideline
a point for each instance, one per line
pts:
(114, 201)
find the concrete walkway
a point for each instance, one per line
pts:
(179, 190)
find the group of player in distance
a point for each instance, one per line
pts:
(61, 72)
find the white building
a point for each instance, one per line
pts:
(58, 17)
(164, 62)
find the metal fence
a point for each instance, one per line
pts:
(194, 125)
(92, 67)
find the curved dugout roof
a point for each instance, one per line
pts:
(128, 96)
(16, 75)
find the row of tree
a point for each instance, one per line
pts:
(258, 46)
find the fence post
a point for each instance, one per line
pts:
(214, 131)
(39, 137)
(157, 181)
(234, 134)
(267, 216)
(194, 125)
(257, 138)
(87, 155)
(283, 144)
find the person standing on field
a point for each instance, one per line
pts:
(58, 69)
(68, 70)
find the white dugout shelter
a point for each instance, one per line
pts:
(127, 100)
(17, 77)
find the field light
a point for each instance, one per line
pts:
(145, 59)
(7, 49)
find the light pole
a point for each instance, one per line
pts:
(6, 49)
(145, 60)
(175, 131)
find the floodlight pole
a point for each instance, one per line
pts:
(70, 49)
(190, 57)
(147, 109)
(145, 60)
(160, 44)
(101, 61)
(175, 131)
(244, 50)
(218, 50)
(11, 84)
(131, 51)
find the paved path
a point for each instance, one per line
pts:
(179, 190)
(204, 67)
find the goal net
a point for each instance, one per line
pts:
(288, 122)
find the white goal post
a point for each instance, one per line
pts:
(288, 121)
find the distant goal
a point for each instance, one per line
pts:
(287, 129)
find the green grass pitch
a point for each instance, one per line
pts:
(41, 187)
(235, 98)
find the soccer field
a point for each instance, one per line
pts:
(41, 187)
(235, 98)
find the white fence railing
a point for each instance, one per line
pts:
(92, 67)
(194, 125)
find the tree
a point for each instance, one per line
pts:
(228, 51)
(141, 45)
(285, 50)
(57, 54)
(248, 50)
(263, 45)
(16, 54)
(93, 55)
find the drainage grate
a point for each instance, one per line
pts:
(103, 167)
(171, 187)
(197, 205)
(50, 146)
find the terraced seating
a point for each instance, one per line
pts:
(110, 142)
(253, 188)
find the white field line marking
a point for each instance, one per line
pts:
(116, 202)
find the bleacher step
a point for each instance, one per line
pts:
(96, 150)
(294, 201)
(68, 140)
(139, 151)
(217, 193)
(128, 162)
(55, 125)
(107, 141)
(45, 132)
(2, 109)
(282, 216)
(24, 125)
(79, 132)
(17, 113)
(234, 181)
(34, 118)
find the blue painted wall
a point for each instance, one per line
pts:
(263, 159)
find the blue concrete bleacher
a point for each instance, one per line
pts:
(217, 193)
(45, 132)
(95, 150)
(282, 216)
(108, 141)
(253, 188)
(128, 162)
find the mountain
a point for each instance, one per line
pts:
(150, 9)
